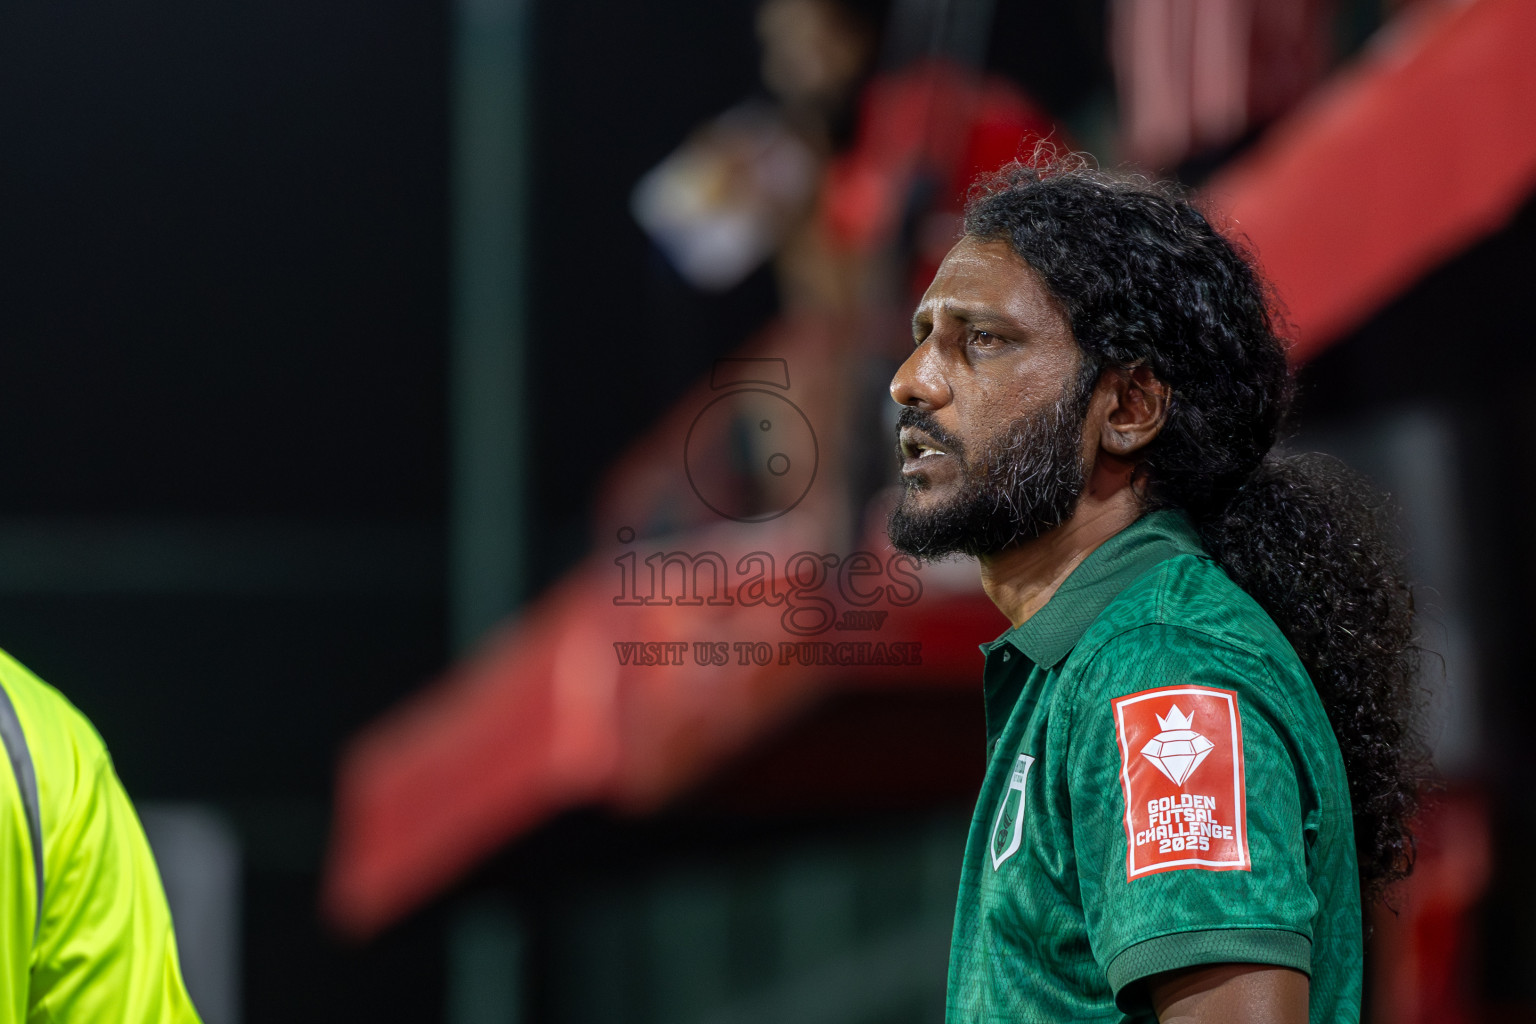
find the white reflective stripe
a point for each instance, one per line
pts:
(26, 781)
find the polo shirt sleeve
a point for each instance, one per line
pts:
(1187, 796)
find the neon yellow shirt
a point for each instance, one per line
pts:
(103, 948)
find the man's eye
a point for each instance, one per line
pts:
(985, 339)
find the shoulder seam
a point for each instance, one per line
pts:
(1068, 695)
(1097, 652)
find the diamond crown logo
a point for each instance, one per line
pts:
(1178, 750)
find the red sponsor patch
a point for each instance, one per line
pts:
(1181, 769)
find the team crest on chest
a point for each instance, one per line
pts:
(1181, 770)
(1008, 828)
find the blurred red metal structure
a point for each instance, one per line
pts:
(1399, 162)
(1347, 204)
(1423, 941)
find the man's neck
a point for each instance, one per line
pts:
(1021, 580)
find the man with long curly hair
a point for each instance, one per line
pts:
(1200, 750)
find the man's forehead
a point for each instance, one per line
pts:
(980, 271)
(973, 255)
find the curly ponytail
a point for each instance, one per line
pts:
(1306, 538)
(1146, 280)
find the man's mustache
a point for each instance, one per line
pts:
(911, 416)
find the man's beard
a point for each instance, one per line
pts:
(1022, 483)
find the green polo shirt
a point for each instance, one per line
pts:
(1163, 790)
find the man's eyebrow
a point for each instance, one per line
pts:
(969, 314)
(984, 318)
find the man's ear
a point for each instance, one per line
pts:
(1137, 409)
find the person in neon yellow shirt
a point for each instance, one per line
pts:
(85, 932)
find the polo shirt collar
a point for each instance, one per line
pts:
(1048, 635)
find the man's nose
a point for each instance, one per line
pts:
(920, 382)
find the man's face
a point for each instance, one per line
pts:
(991, 442)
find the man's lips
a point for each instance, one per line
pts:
(916, 446)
